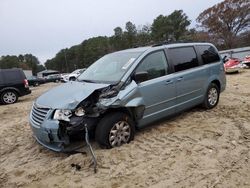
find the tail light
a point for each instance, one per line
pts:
(26, 83)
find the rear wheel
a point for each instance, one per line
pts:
(36, 84)
(72, 79)
(212, 96)
(115, 129)
(9, 97)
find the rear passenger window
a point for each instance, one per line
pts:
(11, 76)
(155, 64)
(209, 54)
(183, 58)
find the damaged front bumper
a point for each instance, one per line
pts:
(51, 135)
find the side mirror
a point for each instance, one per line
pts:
(140, 76)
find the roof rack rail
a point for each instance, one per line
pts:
(170, 42)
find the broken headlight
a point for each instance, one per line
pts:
(79, 111)
(62, 115)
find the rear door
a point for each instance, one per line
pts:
(159, 90)
(189, 77)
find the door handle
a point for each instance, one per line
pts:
(179, 79)
(168, 82)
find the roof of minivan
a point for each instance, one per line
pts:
(173, 45)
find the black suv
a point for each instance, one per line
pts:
(13, 84)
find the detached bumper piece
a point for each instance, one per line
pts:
(94, 161)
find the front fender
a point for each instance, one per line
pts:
(130, 97)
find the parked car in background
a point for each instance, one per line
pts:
(72, 76)
(126, 90)
(53, 78)
(13, 84)
(62, 75)
(35, 81)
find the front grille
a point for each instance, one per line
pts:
(38, 114)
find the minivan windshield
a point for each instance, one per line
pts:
(110, 68)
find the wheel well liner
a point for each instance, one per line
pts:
(133, 112)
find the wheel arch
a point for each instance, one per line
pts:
(135, 113)
(217, 82)
(10, 89)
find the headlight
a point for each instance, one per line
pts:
(80, 111)
(62, 115)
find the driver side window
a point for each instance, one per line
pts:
(155, 64)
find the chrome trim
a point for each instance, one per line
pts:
(38, 114)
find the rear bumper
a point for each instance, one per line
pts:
(25, 92)
(223, 87)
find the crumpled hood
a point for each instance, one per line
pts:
(68, 95)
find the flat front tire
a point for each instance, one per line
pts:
(114, 130)
(212, 96)
(9, 97)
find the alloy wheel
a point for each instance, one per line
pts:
(212, 96)
(9, 97)
(119, 134)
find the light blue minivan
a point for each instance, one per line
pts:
(126, 90)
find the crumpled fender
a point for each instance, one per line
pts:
(129, 97)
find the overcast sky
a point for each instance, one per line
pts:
(43, 27)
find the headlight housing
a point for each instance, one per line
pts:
(62, 115)
(79, 111)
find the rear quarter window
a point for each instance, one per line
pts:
(183, 58)
(12, 76)
(208, 54)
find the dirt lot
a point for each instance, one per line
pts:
(195, 149)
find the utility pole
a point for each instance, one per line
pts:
(66, 60)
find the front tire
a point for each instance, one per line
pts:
(9, 97)
(212, 96)
(114, 129)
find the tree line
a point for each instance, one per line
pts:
(226, 24)
(26, 62)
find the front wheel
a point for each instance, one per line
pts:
(212, 96)
(9, 97)
(114, 129)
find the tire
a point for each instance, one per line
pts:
(212, 96)
(72, 79)
(9, 97)
(109, 132)
(36, 84)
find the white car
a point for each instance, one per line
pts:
(72, 76)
